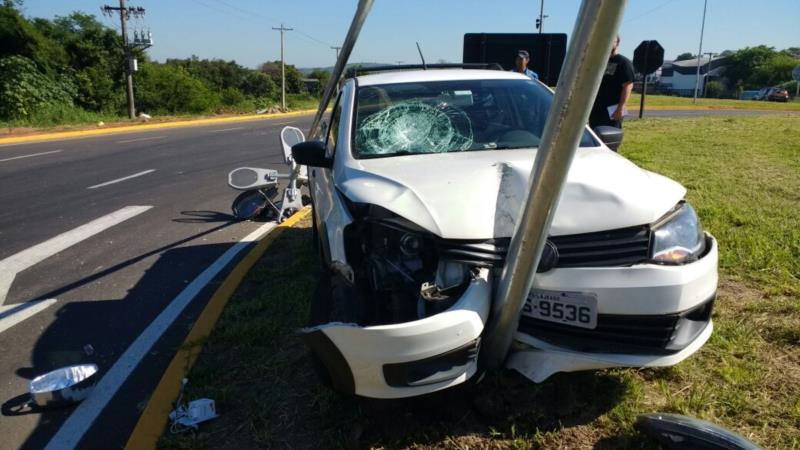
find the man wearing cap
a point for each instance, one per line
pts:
(522, 65)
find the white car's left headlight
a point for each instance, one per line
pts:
(679, 238)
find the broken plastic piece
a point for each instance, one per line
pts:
(415, 127)
(192, 414)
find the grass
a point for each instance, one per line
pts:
(667, 101)
(742, 175)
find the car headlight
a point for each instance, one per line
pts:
(678, 238)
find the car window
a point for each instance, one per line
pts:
(333, 129)
(450, 116)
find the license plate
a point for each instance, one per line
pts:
(577, 309)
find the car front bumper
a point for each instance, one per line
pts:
(406, 359)
(648, 316)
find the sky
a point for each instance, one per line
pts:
(241, 30)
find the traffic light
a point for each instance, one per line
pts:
(538, 23)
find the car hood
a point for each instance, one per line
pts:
(479, 195)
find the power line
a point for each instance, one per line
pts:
(649, 11)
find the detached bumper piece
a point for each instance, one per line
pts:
(630, 334)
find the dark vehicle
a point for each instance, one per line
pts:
(778, 95)
(762, 94)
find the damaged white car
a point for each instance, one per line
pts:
(416, 189)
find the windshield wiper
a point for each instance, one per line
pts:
(398, 153)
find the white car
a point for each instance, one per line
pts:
(416, 190)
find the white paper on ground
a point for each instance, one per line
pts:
(613, 108)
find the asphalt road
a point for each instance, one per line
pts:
(113, 228)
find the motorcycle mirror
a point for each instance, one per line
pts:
(289, 137)
(246, 178)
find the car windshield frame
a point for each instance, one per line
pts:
(538, 96)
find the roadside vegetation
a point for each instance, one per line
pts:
(741, 174)
(69, 70)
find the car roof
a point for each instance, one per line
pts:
(413, 76)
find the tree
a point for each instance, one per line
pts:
(322, 75)
(685, 56)
(294, 79)
(756, 67)
(171, 89)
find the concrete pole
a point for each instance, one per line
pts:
(700, 52)
(123, 17)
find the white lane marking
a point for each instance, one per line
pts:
(284, 123)
(11, 315)
(31, 156)
(9, 267)
(226, 129)
(138, 174)
(76, 425)
(140, 139)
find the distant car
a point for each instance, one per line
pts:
(762, 94)
(777, 94)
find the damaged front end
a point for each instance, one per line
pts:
(403, 315)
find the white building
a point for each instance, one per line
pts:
(679, 77)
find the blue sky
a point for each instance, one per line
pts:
(241, 29)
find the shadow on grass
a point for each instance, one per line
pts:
(258, 371)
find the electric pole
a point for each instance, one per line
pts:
(540, 20)
(283, 67)
(711, 56)
(337, 51)
(130, 63)
(700, 53)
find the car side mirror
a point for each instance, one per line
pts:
(611, 136)
(311, 153)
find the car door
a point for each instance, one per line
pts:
(323, 190)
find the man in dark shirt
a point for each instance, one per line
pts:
(615, 89)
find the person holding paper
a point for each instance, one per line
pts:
(615, 89)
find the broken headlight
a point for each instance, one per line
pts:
(679, 238)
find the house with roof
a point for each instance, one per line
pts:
(679, 77)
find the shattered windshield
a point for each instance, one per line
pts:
(450, 116)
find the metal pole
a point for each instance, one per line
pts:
(595, 29)
(541, 17)
(337, 51)
(644, 81)
(362, 10)
(123, 17)
(700, 52)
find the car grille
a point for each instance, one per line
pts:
(635, 334)
(622, 247)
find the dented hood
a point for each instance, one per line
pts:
(479, 195)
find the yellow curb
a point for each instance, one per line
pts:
(146, 127)
(154, 417)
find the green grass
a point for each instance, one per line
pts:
(742, 175)
(709, 103)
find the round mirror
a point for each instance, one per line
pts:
(249, 204)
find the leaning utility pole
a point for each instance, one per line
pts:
(283, 69)
(130, 66)
(337, 51)
(700, 53)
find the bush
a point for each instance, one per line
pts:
(24, 89)
(165, 88)
(715, 89)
